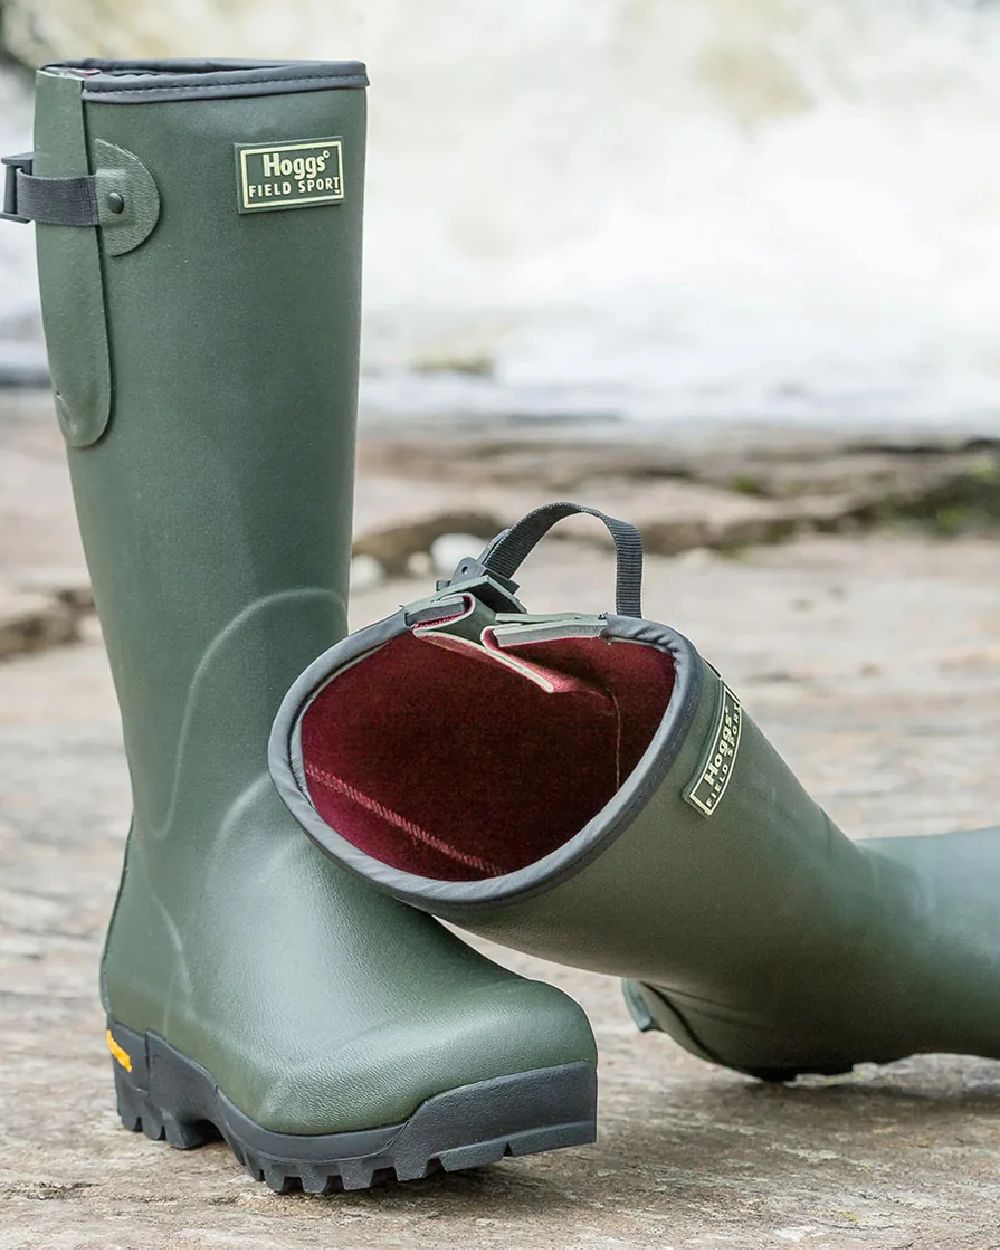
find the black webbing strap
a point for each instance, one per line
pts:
(49, 201)
(57, 201)
(506, 552)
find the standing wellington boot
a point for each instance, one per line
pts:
(588, 789)
(199, 248)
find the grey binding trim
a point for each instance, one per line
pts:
(285, 764)
(152, 82)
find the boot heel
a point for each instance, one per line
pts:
(137, 1108)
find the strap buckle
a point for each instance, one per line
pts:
(489, 587)
(507, 551)
(14, 165)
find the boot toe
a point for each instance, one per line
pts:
(382, 1076)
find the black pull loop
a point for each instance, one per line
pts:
(506, 552)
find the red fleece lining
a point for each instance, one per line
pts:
(446, 762)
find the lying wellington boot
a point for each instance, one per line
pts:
(199, 254)
(588, 789)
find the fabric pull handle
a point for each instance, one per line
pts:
(48, 201)
(507, 551)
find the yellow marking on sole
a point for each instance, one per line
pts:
(123, 1057)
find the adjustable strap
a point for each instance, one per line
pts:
(48, 201)
(505, 554)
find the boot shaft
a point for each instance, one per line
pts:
(203, 342)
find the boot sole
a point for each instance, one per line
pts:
(169, 1097)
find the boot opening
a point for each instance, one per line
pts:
(459, 760)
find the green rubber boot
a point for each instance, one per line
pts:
(199, 254)
(588, 789)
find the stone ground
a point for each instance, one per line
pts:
(873, 661)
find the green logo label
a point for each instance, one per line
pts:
(289, 175)
(709, 783)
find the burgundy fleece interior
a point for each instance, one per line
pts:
(440, 759)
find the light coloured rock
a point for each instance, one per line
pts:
(393, 546)
(366, 572)
(420, 564)
(449, 549)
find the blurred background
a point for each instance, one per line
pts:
(727, 268)
(649, 210)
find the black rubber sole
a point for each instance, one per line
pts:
(167, 1096)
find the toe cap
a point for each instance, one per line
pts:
(381, 1077)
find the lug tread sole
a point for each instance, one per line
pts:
(170, 1098)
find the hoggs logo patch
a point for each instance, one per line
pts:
(706, 789)
(289, 175)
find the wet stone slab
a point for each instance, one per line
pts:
(873, 662)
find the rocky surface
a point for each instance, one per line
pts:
(717, 488)
(721, 489)
(873, 661)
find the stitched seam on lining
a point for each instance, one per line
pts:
(415, 831)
